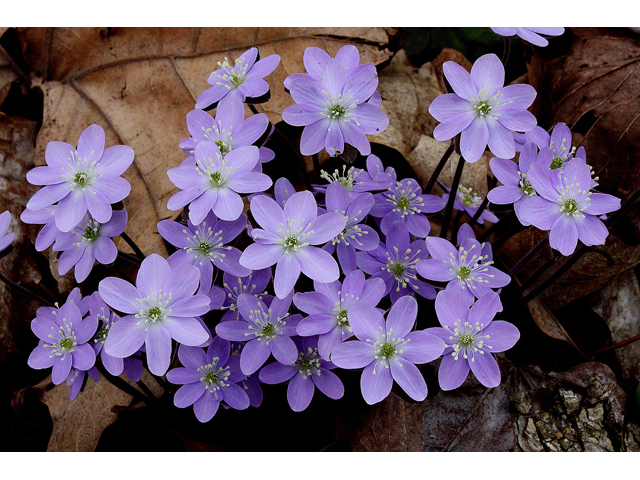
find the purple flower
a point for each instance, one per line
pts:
(467, 269)
(308, 371)
(160, 307)
(334, 111)
(229, 130)
(315, 60)
(471, 336)
(358, 181)
(515, 187)
(113, 365)
(47, 234)
(204, 246)
(265, 329)
(287, 238)
(87, 242)
(328, 308)
(214, 182)
(244, 79)
(567, 207)
(395, 263)
(354, 236)
(82, 179)
(482, 110)
(388, 350)
(532, 35)
(404, 202)
(75, 380)
(5, 239)
(252, 284)
(208, 379)
(63, 335)
(250, 383)
(468, 202)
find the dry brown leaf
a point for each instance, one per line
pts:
(595, 90)
(589, 274)
(547, 321)
(139, 83)
(407, 93)
(394, 425)
(78, 424)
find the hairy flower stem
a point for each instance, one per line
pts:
(146, 390)
(513, 270)
(508, 217)
(456, 223)
(506, 51)
(25, 290)
(316, 167)
(133, 245)
(452, 197)
(618, 345)
(436, 173)
(120, 273)
(129, 258)
(301, 163)
(484, 203)
(124, 386)
(627, 205)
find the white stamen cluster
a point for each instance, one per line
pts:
(107, 321)
(237, 290)
(216, 174)
(338, 107)
(573, 200)
(350, 232)
(469, 267)
(467, 339)
(232, 77)
(467, 198)
(206, 245)
(347, 178)
(265, 328)
(405, 200)
(214, 377)
(484, 106)
(386, 348)
(340, 312)
(525, 185)
(79, 173)
(308, 363)
(403, 267)
(66, 340)
(153, 307)
(560, 158)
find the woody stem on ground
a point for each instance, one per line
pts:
(22, 288)
(484, 203)
(133, 245)
(436, 173)
(452, 195)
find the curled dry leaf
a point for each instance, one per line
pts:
(139, 83)
(595, 90)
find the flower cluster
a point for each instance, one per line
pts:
(303, 283)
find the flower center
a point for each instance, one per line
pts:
(556, 163)
(66, 343)
(347, 179)
(403, 202)
(467, 200)
(291, 242)
(466, 340)
(267, 329)
(343, 318)
(90, 233)
(527, 189)
(570, 206)
(337, 111)
(464, 272)
(483, 107)
(216, 179)
(387, 350)
(224, 148)
(397, 269)
(154, 313)
(103, 333)
(80, 179)
(211, 377)
(204, 247)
